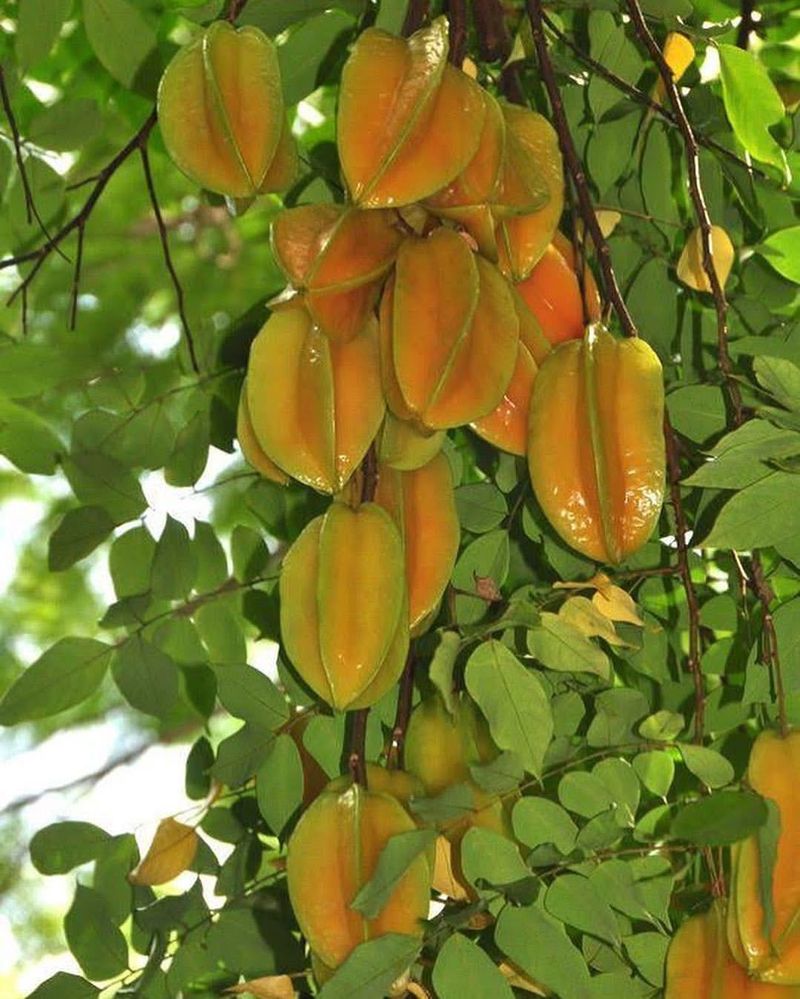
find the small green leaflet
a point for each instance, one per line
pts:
(395, 859)
(752, 104)
(782, 251)
(372, 967)
(720, 819)
(464, 971)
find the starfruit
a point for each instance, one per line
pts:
(422, 503)
(408, 123)
(468, 198)
(399, 784)
(253, 452)
(596, 445)
(315, 405)
(337, 256)
(452, 345)
(406, 444)
(507, 425)
(332, 854)
(221, 112)
(528, 219)
(553, 294)
(344, 605)
(770, 953)
(699, 964)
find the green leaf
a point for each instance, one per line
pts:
(394, 860)
(577, 902)
(62, 677)
(738, 460)
(121, 37)
(212, 563)
(323, 737)
(64, 986)
(174, 566)
(768, 838)
(697, 411)
(538, 944)
(250, 555)
(453, 803)
(486, 557)
(372, 967)
(782, 251)
(491, 858)
(720, 819)
(279, 783)
(69, 124)
(464, 971)
(538, 821)
(513, 701)
(241, 754)
(79, 533)
(96, 943)
(781, 378)
(500, 775)
(610, 46)
(621, 780)
(26, 440)
(146, 677)
(752, 103)
(59, 847)
(662, 726)
(144, 438)
(303, 54)
(655, 770)
(707, 765)
(648, 951)
(760, 515)
(222, 634)
(129, 562)
(198, 763)
(99, 480)
(190, 453)
(250, 695)
(665, 9)
(274, 17)
(39, 24)
(787, 631)
(481, 507)
(442, 665)
(560, 646)
(584, 794)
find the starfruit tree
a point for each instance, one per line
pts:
(475, 326)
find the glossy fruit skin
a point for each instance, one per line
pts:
(775, 957)
(348, 829)
(699, 964)
(595, 443)
(406, 444)
(338, 257)
(447, 352)
(553, 295)
(253, 452)
(344, 605)
(422, 503)
(315, 405)
(221, 112)
(408, 123)
(506, 427)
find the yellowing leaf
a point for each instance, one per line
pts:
(597, 582)
(418, 990)
(678, 54)
(617, 605)
(517, 977)
(469, 67)
(690, 265)
(171, 852)
(582, 614)
(269, 987)
(444, 878)
(608, 220)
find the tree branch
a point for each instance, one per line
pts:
(416, 15)
(745, 24)
(700, 207)
(575, 169)
(356, 760)
(457, 18)
(162, 231)
(769, 638)
(395, 756)
(495, 43)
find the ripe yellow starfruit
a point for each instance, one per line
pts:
(338, 257)
(770, 954)
(507, 426)
(221, 112)
(699, 964)
(399, 784)
(406, 444)
(553, 294)
(315, 405)
(344, 605)
(253, 452)
(351, 828)
(596, 445)
(533, 159)
(408, 122)
(422, 503)
(452, 344)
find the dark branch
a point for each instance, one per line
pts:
(162, 231)
(769, 638)
(746, 24)
(575, 169)
(700, 207)
(693, 663)
(416, 15)
(76, 279)
(457, 17)
(495, 43)
(356, 760)
(403, 713)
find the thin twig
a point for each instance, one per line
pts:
(457, 18)
(699, 202)
(495, 42)
(356, 760)
(769, 638)
(235, 8)
(76, 279)
(403, 714)
(745, 24)
(416, 15)
(162, 231)
(693, 606)
(575, 168)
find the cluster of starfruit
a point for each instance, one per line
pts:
(748, 946)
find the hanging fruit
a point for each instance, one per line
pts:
(221, 112)
(596, 445)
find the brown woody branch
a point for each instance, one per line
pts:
(416, 14)
(356, 760)
(575, 169)
(494, 42)
(162, 232)
(745, 24)
(769, 638)
(403, 713)
(457, 18)
(699, 202)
